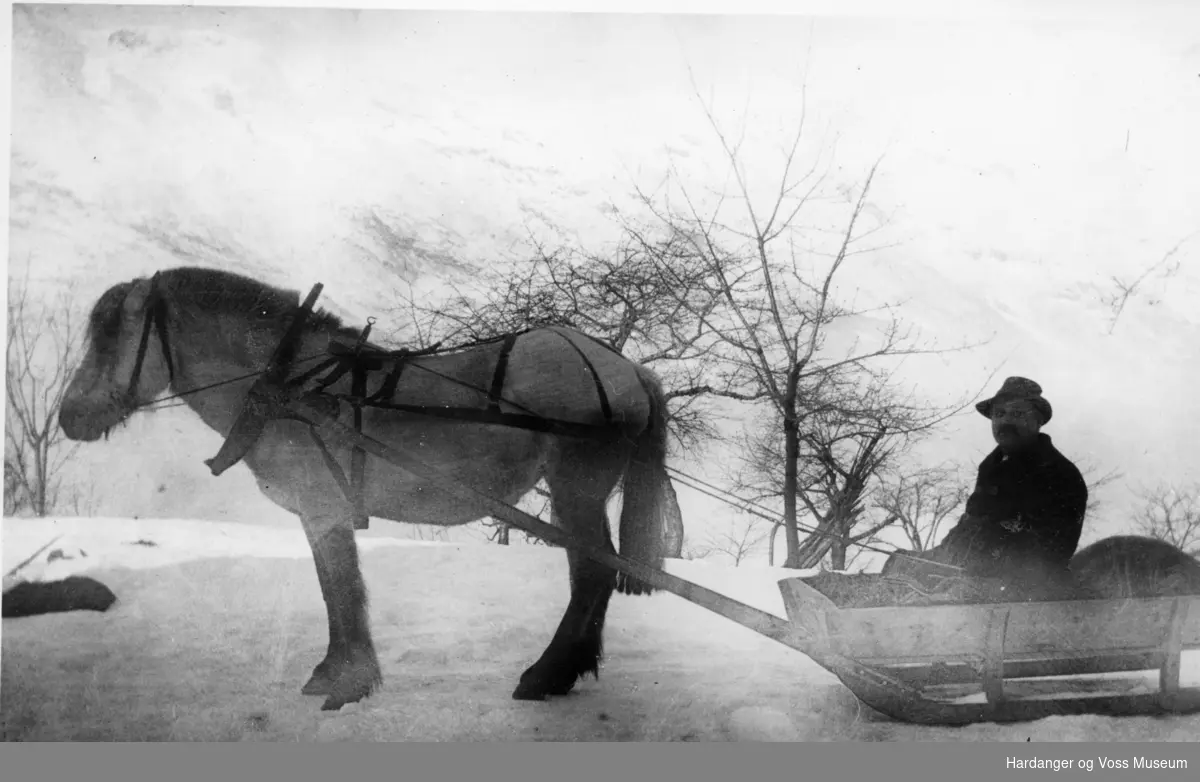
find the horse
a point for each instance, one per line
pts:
(216, 331)
(1135, 566)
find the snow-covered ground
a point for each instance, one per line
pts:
(217, 625)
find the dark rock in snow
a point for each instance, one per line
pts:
(76, 593)
(60, 554)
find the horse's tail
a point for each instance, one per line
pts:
(644, 490)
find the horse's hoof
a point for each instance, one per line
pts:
(321, 682)
(536, 687)
(359, 678)
(343, 695)
(317, 685)
(528, 692)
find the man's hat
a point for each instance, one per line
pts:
(1018, 388)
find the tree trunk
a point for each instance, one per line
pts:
(41, 459)
(837, 553)
(502, 534)
(791, 455)
(816, 545)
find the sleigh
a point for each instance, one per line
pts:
(1005, 662)
(931, 664)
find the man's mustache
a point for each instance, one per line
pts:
(1007, 429)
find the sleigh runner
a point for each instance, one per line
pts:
(947, 664)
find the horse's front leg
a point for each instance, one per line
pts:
(350, 670)
(321, 681)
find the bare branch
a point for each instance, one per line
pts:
(1126, 290)
(1171, 514)
(44, 345)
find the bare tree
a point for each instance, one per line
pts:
(738, 540)
(1171, 514)
(1095, 479)
(852, 437)
(14, 497)
(773, 316)
(428, 532)
(44, 344)
(922, 500)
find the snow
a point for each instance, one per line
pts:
(219, 623)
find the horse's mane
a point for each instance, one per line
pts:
(228, 293)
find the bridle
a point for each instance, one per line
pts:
(156, 316)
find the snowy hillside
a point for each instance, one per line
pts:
(1025, 166)
(217, 625)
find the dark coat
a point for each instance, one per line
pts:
(1025, 515)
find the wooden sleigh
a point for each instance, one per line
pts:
(947, 665)
(1007, 662)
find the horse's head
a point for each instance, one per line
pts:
(127, 364)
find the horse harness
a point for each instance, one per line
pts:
(360, 359)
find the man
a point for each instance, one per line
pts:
(1023, 521)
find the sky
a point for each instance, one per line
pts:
(1027, 156)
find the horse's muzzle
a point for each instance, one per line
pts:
(80, 424)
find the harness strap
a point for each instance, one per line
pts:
(358, 457)
(338, 372)
(604, 406)
(501, 369)
(136, 375)
(339, 476)
(388, 389)
(156, 316)
(300, 380)
(160, 325)
(490, 415)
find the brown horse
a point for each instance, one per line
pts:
(1134, 566)
(213, 331)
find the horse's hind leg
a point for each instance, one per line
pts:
(350, 670)
(579, 496)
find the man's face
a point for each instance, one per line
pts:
(1015, 423)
